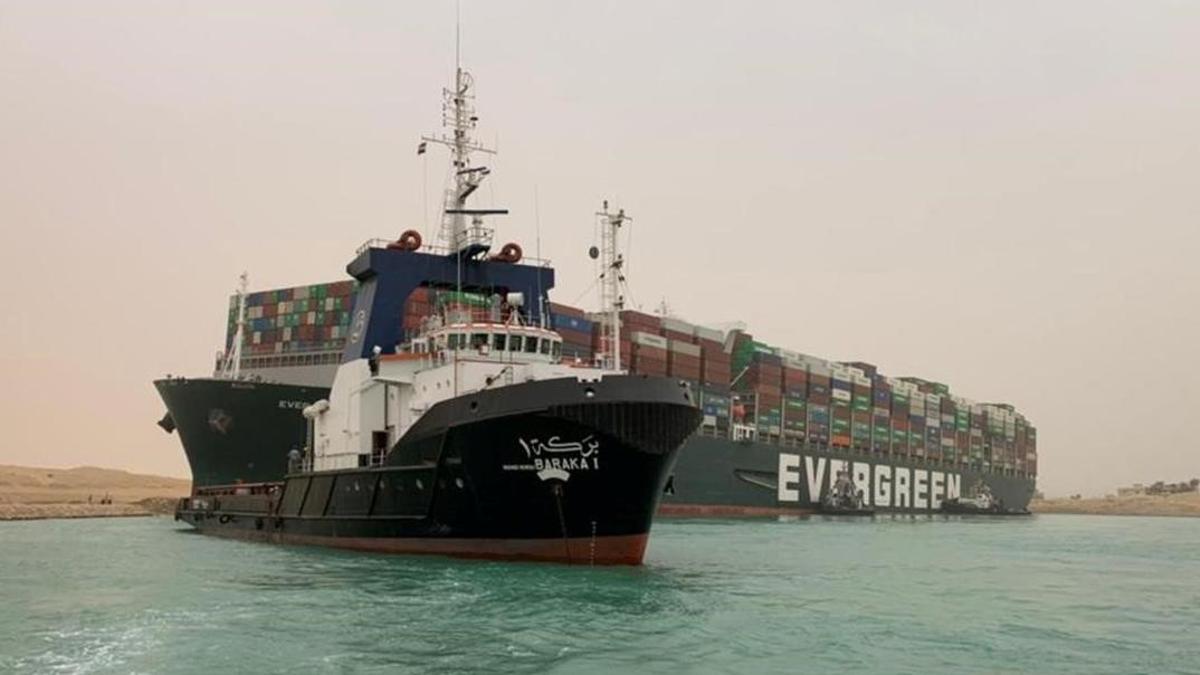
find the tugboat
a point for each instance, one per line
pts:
(844, 499)
(468, 435)
(981, 503)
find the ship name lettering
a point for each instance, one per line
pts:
(882, 485)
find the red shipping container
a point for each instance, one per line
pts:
(676, 335)
(567, 310)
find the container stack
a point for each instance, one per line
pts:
(576, 330)
(901, 409)
(962, 430)
(417, 308)
(843, 396)
(881, 415)
(820, 399)
(683, 360)
(860, 409)
(763, 380)
(303, 319)
(647, 353)
(715, 364)
(795, 397)
(933, 426)
(717, 408)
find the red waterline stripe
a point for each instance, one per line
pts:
(608, 550)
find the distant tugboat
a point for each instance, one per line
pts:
(982, 503)
(844, 499)
(469, 435)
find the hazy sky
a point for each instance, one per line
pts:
(998, 195)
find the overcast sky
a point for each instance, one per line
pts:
(998, 195)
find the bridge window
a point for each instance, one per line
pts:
(530, 344)
(556, 348)
(514, 343)
(546, 346)
(498, 342)
(453, 341)
(478, 340)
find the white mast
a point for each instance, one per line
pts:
(611, 278)
(231, 365)
(458, 115)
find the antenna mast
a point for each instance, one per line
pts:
(458, 115)
(231, 365)
(611, 278)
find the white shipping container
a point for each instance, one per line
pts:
(256, 338)
(287, 333)
(856, 372)
(710, 334)
(300, 293)
(648, 340)
(310, 318)
(841, 394)
(678, 326)
(862, 380)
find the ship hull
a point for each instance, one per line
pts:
(713, 477)
(720, 477)
(533, 471)
(234, 430)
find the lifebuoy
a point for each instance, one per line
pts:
(410, 240)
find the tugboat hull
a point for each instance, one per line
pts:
(557, 470)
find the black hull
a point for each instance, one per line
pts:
(471, 479)
(235, 431)
(713, 476)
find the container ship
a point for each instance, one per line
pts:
(779, 428)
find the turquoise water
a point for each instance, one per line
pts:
(1051, 594)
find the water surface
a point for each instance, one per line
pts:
(1052, 594)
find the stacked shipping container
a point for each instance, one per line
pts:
(782, 395)
(303, 319)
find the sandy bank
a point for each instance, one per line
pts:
(28, 493)
(1187, 504)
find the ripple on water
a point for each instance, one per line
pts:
(1047, 594)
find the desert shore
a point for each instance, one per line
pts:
(30, 493)
(1186, 504)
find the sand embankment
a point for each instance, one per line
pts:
(31, 493)
(1186, 504)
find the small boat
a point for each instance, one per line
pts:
(844, 499)
(983, 503)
